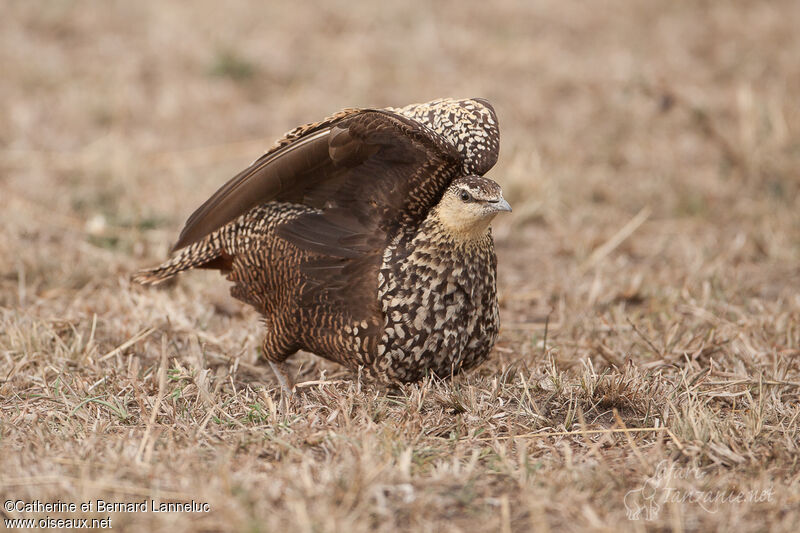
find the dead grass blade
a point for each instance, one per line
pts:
(162, 381)
(618, 238)
(143, 334)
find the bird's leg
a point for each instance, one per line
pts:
(281, 371)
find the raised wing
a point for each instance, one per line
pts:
(296, 159)
(370, 173)
(307, 156)
(470, 125)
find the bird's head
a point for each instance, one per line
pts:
(469, 205)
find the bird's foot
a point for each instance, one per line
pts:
(283, 375)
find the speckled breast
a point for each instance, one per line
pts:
(439, 302)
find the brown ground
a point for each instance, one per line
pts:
(651, 151)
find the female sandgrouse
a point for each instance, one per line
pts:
(364, 238)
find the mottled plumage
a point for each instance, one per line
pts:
(364, 239)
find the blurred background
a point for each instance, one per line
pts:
(122, 116)
(118, 118)
(651, 152)
(650, 149)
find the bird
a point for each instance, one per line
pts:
(365, 239)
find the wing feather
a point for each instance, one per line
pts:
(272, 175)
(370, 173)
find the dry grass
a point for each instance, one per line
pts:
(650, 151)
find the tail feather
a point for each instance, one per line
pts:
(197, 255)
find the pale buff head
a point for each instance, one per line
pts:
(469, 205)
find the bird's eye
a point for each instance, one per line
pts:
(465, 196)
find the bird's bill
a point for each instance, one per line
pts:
(501, 205)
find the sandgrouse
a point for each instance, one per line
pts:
(363, 238)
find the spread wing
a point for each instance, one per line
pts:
(292, 161)
(369, 172)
